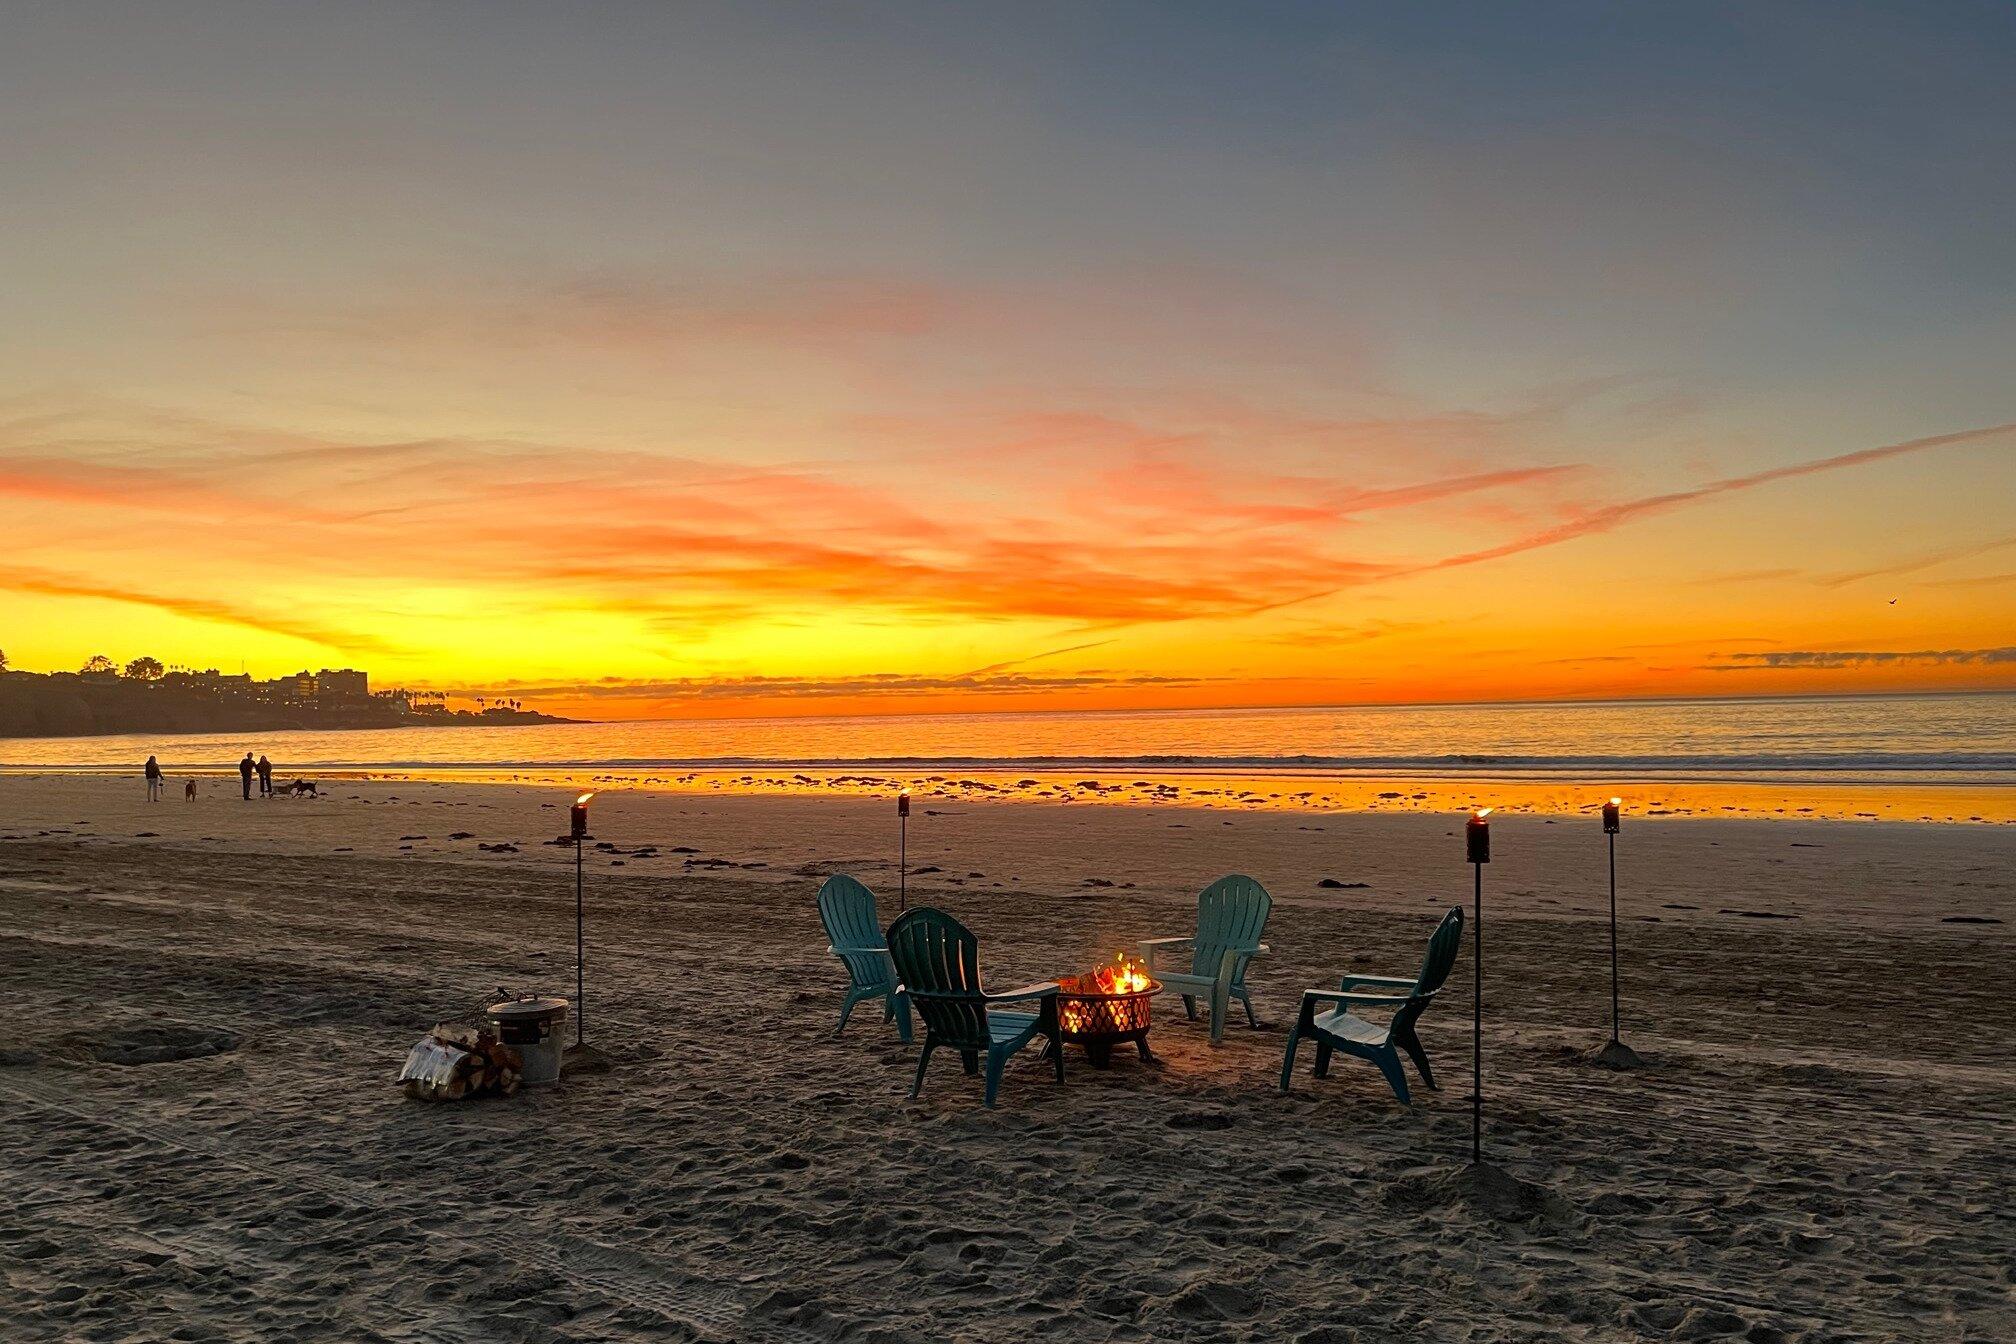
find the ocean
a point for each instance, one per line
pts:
(1931, 739)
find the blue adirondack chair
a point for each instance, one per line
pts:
(1231, 916)
(854, 935)
(1341, 1029)
(938, 960)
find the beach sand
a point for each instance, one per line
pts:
(200, 1138)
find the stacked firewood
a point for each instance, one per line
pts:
(452, 1062)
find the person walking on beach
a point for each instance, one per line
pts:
(265, 778)
(153, 773)
(245, 775)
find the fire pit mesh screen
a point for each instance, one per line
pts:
(1103, 1014)
(1107, 1006)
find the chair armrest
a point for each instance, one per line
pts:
(1383, 981)
(1041, 990)
(1346, 996)
(841, 951)
(1147, 943)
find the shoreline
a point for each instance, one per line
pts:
(1935, 802)
(1796, 872)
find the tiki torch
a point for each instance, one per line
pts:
(578, 830)
(1616, 1055)
(1477, 851)
(903, 849)
(1611, 824)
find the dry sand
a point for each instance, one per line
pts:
(199, 1138)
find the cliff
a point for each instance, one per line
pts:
(69, 705)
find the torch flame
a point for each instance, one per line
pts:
(1484, 812)
(1616, 802)
(582, 801)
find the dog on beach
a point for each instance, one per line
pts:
(300, 787)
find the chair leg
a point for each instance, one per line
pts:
(1246, 1002)
(1288, 1059)
(1221, 995)
(1411, 1043)
(846, 1011)
(902, 1010)
(971, 1059)
(1323, 1049)
(1388, 1061)
(923, 1062)
(1190, 1006)
(995, 1059)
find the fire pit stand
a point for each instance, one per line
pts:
(1100, 1020)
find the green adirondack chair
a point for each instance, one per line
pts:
(1231, 916)
(854, 935)
(938, 960)
(1341, 1029)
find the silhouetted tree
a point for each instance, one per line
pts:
(145, 669)
(3, 660)
(98, 662)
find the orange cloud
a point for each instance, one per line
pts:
(47, 584)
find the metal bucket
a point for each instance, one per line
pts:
(535, 1028)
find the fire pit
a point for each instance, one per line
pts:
(1106, 1007)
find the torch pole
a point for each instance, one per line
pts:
(1477, 1020)
(580, 951)
(1614, 1039)
(903, 860)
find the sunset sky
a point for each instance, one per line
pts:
(646, 360)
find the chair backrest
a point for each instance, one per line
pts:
(938, 962)
(1231, 914)
(1442, 945)
(847, 909)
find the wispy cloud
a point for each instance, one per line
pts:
(1922, 561)
(1842, 658)
(1767, 575)
(1609, 517)
(992, 668)
(868, 686)
(50, 584)
(1612, 516)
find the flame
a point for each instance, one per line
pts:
(1122, 975)
(1484, 812)
(1616, 802)
(582, 801)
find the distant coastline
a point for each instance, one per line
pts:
(102, 703)
(489, 719)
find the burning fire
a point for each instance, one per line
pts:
(1122, 975)
(1088, 1005)
(582, 801)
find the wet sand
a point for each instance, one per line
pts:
(210, 1001)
